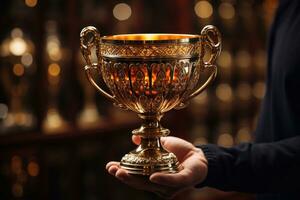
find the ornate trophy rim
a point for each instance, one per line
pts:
(150, 38)
(150, 46)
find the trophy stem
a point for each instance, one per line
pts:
(150, 156)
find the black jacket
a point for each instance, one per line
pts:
(269, 167)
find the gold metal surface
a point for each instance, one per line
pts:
(151, 74)
(148, 37)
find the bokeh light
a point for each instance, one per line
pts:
(122, 11)
(16, 32)
(225, 59)
(203, 9)
(53, 48)
(26, 59)
(17, 46)
(225, 140)
(31, 3)
(224, 92)
(260, 58)
(200, 141)
(54, 69)
(18, 69)
(259, 89)
(33, 169)
(3, 111)
(243, 135)
(226, 10)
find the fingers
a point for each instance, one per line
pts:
(108, 165)
(177, 180)
(143, 183)
(136, 139)
(112, 167)
(194, 171)
(140, 182)
(113, 170)
(136, 181)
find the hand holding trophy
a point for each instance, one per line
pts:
(151, 74)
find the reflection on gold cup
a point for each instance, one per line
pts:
(151, 74)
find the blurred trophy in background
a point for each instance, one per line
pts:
(16, 75)
(151, 74)
(89, 116)
(53, 121)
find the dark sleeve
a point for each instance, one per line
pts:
(255, 168)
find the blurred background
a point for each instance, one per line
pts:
(57, 133)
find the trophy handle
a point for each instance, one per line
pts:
(211, 37)
(89, 37)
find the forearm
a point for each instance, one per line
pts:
(265, 167)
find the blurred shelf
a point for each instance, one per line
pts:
(70, 135)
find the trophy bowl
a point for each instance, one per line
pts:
(151, 74)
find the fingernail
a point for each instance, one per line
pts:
(112, 171)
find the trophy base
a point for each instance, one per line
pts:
(135, 164)
(146, 160)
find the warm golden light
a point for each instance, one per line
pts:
(31, 3)
(225, 140)
(55, 54)
(54, 69)
(225, 59)
(16, 164)
(259, 89)
(260, 59)
(89, 116)
(243, 135)
(17, 46)
(16, 32)
(4, 48)
(244, 91)
(200, 141)
(26, 59)
(18, 69)
(33, 169)
(122, 11)
(142, 37)
(203, 9)
(3, 111)
(226, 10)
(53, 48)
(53, 122)
(243, 59)
(224, 92)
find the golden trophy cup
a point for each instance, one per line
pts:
(151, 74)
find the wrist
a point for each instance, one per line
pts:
(210, 156)
(203, 167)
(202, 156)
